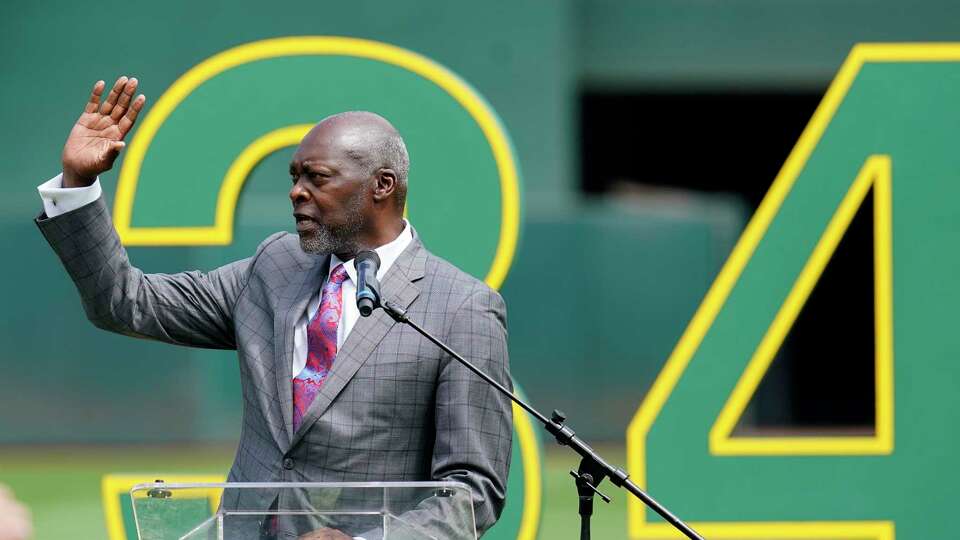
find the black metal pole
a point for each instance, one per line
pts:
(586, 488)
(593, 468)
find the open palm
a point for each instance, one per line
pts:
(97, 137)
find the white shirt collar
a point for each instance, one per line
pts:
(388, 254)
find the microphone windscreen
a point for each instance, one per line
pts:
(367, 255)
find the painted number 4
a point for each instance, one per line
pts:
(888, 124)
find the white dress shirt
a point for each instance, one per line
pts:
(388, 254)
(60, 200)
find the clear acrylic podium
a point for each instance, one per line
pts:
(280, 511)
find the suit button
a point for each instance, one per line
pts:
(287, 463)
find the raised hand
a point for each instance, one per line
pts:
(97, 138)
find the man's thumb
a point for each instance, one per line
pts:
(114, 149)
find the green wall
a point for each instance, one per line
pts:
(742, 44)
(578, 321)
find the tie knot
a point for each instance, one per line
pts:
(339, 275)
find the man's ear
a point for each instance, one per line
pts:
(386, 184)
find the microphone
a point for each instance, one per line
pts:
(368, 288)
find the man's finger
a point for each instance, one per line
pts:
(94, 100)
(128, 119)
(114, 94)
(125, 96)
(108, 154)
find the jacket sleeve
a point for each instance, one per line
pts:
(188, 308)
(474, 420)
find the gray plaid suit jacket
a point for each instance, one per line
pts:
(394, 407)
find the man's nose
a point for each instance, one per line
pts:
(298, 193)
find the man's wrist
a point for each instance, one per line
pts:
(74, 180)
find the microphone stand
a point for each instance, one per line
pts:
(593, 468)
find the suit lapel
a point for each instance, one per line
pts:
(398, 286)
(291, 306)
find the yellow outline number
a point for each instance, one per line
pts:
(877, 172)
(221, 233)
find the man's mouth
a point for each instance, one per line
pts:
(304, 222)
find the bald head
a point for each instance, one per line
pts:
(371, 141)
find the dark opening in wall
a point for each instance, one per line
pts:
(736, 143)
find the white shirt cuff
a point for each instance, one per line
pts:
(60, 200)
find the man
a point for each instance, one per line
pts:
(15, 521)
(327, 396)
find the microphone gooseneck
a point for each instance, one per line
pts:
(368, 288)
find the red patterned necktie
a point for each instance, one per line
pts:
(321, 345)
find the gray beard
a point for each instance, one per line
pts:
(341, 239)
